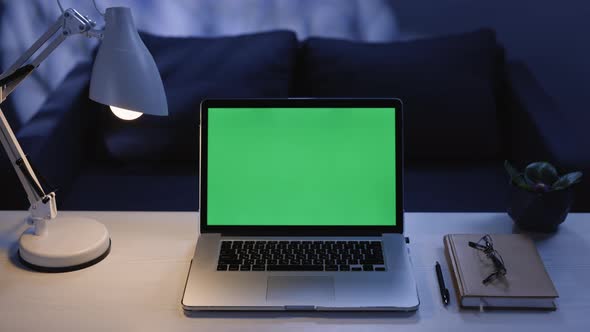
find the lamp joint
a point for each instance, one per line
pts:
(75, 23)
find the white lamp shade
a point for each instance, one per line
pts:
(125, 73)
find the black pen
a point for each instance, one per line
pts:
(444, 292)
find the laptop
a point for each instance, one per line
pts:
(301, 207)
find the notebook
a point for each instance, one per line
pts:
(525, 285)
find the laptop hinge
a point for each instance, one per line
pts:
(299, 308)
(244, 235)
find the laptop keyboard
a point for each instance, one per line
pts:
(301, 256)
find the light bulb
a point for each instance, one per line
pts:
(125, 114)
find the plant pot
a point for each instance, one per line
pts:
(539, 212)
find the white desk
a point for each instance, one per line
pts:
(138, 287)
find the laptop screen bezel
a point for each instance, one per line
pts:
(300, 230)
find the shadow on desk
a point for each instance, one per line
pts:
(409, 317)
(15, 259)
(7, 235)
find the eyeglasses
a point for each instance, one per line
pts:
(486, 245)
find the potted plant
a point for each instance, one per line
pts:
(540, 198)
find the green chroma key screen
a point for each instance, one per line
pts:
(301, 167)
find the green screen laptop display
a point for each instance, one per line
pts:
(301, 167)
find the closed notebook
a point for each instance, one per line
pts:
(525, 285)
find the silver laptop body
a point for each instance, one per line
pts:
(296, 267)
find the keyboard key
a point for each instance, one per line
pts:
(227, 252)
(300, 255)
(295, 268)
(372, 261)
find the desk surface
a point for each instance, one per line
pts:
(138, 287)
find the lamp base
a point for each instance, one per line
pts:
(70, 244)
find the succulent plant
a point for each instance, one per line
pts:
(541, 177)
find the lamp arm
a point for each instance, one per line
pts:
(20, 162)
(34, 48)
(71, 22)
(43, 206)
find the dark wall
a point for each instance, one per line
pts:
(552, 37)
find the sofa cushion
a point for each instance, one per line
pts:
(192, 69)
(447, 84)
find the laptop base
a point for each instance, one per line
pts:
(210, 290)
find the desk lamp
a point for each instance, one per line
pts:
(125, 77)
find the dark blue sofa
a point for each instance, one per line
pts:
(466, 110)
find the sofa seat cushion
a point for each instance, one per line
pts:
(134, 187)
(192, 69)
(455, 187)
(448, 86)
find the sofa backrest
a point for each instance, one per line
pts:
(448, 85)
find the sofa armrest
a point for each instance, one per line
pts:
(54, 139)
(538, 129)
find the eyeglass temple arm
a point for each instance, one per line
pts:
(490, 278)
(476, 245)
(497, 262)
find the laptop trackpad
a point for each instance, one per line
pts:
(300, 290)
